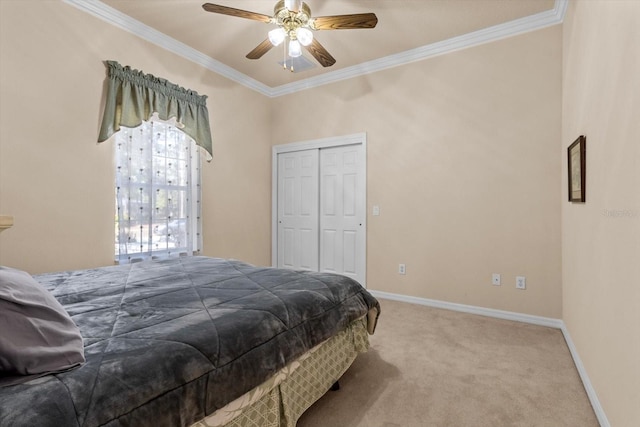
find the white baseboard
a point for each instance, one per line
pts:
(518, 317)
(586, 382)
(482, 311)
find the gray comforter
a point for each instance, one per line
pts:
(169, 342)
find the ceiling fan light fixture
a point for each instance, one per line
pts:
(295, 49)
(277, 36)
(304, 36)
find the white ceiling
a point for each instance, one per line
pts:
(407, 31)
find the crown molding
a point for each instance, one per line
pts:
(125, 22)
(508, 29)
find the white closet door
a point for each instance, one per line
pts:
(298, 210)
(342, 211)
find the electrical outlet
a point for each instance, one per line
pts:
(495, 279)
(521, 282)
(402, 269)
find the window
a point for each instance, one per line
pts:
(157, 193)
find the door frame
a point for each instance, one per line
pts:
(337, 141)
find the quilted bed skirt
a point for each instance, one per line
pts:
(281, 400)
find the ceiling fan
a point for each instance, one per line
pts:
(294, 21)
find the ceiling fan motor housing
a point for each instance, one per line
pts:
(291, 20)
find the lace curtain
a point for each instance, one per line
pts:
(133, 96)
(157, 193)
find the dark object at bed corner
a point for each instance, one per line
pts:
(169, 342)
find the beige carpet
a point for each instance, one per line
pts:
(434, 367)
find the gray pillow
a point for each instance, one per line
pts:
(37, 336)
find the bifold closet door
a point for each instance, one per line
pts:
(342, 211)
(298, 210)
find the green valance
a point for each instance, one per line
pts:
(133, 96)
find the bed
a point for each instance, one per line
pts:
(195, 341)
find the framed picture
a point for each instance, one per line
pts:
(576, 154)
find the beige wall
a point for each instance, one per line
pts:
(601, 238)
(463, 162)
(58, 182)
(462, 158)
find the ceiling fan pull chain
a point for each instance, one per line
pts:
(284, 56)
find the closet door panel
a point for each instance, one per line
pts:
(342, 211)
(298, 210)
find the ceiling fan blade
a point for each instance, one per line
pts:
(320, 53)
(216, 8)
(260, 50)
(345, 22)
